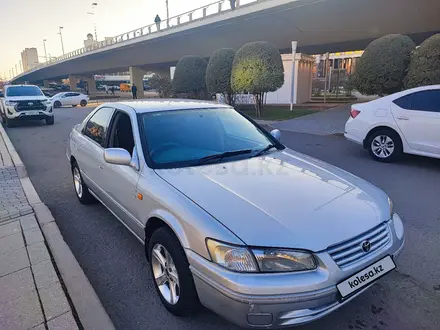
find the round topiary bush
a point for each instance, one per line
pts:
(218, 73)
(189, 76)
(383, 66)
(424, 68)
(257, 69)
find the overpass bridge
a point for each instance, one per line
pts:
(318, 26)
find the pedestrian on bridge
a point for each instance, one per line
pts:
(157, 20)
(232, 4)
(134, 91)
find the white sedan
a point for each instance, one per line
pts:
(69, 98)
(405, 122)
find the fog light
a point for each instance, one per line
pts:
(398, 226)
(50, 109)
(9, 112)
(260, 319)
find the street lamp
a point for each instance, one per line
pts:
(45, 53)
(168, 12)
(61, 36)
(94, 4)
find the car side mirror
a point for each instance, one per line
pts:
(117, 156)
(276, 133)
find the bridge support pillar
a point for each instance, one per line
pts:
(46, 83)
(91, 84)
(137, 79)
(73, 81)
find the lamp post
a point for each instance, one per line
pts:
(94, 4)
(61, 36)
(45, 53)
(168, 12)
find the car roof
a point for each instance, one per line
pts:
(20, 86)
(145, 106)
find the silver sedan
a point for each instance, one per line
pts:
(230, 218)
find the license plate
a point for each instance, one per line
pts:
(31, 113)
(366, 276)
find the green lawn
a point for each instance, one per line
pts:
(277, 112)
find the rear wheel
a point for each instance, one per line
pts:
(57, 104)
(81, 189)
(83, 103)
(385, 145)
(74, 105)
(170, 270)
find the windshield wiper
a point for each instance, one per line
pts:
(223, 155)
(270, 146)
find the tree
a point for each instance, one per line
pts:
(349, 84)
(424, 68)
(218, 73)
(189, 76)
(383, 66)
(257, 69)
(162, 85)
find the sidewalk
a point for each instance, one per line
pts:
(34, 290)
(326, 122)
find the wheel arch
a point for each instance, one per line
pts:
(378, 128)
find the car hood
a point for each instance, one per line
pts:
(25, 98)
(284, 199)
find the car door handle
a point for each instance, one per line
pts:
(402, 118)
(101, 167)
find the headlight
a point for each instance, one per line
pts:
(391, 205)
(280, 260)
(241, 259)
(398, 226)
(236, 258)
(11, 104)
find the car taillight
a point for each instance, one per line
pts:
(354, 113)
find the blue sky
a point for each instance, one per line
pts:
(25, 23)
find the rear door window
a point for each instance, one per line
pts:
(405, 102)
(427, 101)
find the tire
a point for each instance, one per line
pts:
(83, 103)
(57, 104)
(188, 301)
(81, 190)
(385, 145)
(9, 122)
(74, 105)
(50, 120)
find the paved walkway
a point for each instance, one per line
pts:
(31, 295)
(326, 122)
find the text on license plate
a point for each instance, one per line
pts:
(32, 113)
(366, 276)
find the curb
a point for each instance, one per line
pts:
(88, 307)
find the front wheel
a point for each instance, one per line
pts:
(170, 270)
(81, 189)
(57, 104)
(83, 103)
(50, 120)
(385, 145)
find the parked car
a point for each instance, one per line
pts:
(24, 102)
(260, 234)
(405, 122)
(70, 98)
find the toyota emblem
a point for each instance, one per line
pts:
(366, 246)
(30, 103)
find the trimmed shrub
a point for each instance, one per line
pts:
(162, 85)
(218, 73)
(424, 68)
(257, 69)
(189, 76)
(383, 66)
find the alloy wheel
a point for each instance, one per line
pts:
(165, 274)
(382, 146)
(77, 182)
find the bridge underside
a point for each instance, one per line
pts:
(318, 26)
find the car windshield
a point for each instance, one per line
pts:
(23, 91)
(181, 138)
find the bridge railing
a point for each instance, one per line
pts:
(211, 9)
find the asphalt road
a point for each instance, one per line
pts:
(114, 261)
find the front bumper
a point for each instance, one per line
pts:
(12, 114)
(278, 300)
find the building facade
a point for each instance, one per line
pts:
(29, 58)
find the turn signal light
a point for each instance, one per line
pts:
(354, 113)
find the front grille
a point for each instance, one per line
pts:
(29, 105)
(350, 251)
